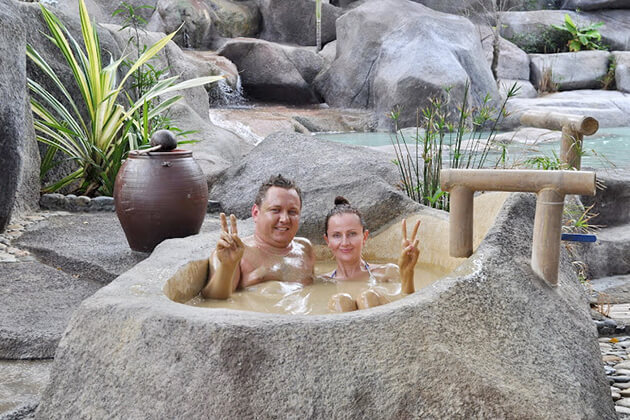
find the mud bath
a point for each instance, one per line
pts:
(294, 298)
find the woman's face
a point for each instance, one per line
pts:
(345, 237)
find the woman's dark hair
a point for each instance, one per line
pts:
(342, 206)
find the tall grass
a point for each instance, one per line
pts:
(421, 159)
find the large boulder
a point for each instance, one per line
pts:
(572, 70)
(594, 4)
(19, 160)
(512, 62)
(274, 72)
(395, 53)
(322, 170)
(491, 340)
(203, 23)
(294, 21)
(622, 70)
(532, 30)
(611, 204)
(610, 108)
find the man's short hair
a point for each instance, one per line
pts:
(276, 181)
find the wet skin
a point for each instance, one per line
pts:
(345, 238)
(272, 253)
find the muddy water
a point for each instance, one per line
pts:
(293, 298)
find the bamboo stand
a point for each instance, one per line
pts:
(573, 128)
(550, 187)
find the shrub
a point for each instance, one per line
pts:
(98, 143)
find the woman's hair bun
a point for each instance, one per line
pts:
(340, 201)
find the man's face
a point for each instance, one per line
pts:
(278, 217)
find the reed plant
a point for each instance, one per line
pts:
(98, 141)
(440, 138)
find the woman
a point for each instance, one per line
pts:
(346, 235)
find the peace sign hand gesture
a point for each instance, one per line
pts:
(408, 256)
(230, 248)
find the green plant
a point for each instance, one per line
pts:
(544, 40)
(608, 80)
(318, 24)
(587, 37)
(546, 83)
(547, 163)
(420, 166)
(578, 219)
(96, 143)
(140, 128)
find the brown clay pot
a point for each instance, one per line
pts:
(160, 195)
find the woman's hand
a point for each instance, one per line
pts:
(408, 257)
(230, 248)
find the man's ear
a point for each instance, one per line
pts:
(255, 211)
(326, 238)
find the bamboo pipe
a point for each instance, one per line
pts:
(523, 180)
(573, 128)
(556, 121)
(550, 186)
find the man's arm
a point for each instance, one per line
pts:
(224, 263)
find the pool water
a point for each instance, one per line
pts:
(608, 148)
(294, 298)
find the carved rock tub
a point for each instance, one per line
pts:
(491, 340)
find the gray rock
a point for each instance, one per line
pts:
(533, 29)
(205, 22)
(622, 71)
(525, 88)
(513, 62)
(294, 22)
(88, 245)
(610, 108)
(611, 204)
(274, 72)
(19, 160)
(610, 255)
(481, 319)
(594, 4)
(329, 52)
(570, 71)
(322, 170)
(394, 53)
(22, 383)
(215, 148)
(36, 304)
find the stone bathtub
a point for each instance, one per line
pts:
(491, 340)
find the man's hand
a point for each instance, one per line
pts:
(224, 262)
(230, 248)
(408, 257)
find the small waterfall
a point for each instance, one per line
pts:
(222, 95)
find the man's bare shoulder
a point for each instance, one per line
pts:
(303, 241)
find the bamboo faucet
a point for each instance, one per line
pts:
(573, 127)
(550, 188)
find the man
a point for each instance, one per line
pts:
(272, 253)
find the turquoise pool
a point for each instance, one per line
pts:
(609, 147)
